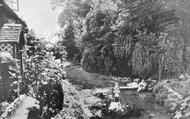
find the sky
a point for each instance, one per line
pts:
(38, 15)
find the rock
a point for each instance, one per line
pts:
(133, 85)
(184, 77)
(177, 105)
(178, 115)
(98, 113)
(142, 86)
(115, 106)
(136, 80)
(101, 93)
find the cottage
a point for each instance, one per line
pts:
(12, 40)
(12, 30)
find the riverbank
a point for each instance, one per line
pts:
(175, 97)
(145, 102)
(77, 103)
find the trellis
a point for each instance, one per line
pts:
(10, 38)
(6, 47)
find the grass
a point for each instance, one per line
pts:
(76, 75)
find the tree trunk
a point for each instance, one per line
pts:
(160, 67)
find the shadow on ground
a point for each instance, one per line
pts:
(76, 75)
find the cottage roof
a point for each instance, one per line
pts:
(10, 32)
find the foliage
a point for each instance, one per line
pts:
(71, 10)
(139, 35)
(59, 52)
(69, 43)
(10, 77)
(70, 20)
(98, 42)
(125, 38)
(182, 11)
(73, 14)
(44, 75)
(75, 11)
(72, 109)
(30, 45)
(174, 95)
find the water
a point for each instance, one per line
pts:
(146, 102)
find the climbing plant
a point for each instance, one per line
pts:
(43, 75)
(9, 77)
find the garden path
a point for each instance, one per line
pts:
(22, 111)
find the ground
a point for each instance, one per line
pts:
(76, 75)
(22, 111)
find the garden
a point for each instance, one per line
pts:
(105, 49)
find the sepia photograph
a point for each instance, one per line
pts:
(94, 59)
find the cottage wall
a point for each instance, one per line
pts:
(12, 30)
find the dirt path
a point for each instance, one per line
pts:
(22, 111)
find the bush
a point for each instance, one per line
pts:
(44, 74)
(9, 73)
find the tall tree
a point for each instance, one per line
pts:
(68, 40)
(136, 41)
(182, 8)
(124, 37)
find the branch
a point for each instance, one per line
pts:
(31, 95)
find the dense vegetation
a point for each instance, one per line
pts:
(9, 73)
(42, 77)
(139, 38)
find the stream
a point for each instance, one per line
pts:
(143, 101)
(146, 102)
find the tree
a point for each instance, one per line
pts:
(125, 38)
(98, 39)
(71, 10)
(68, 41)
(71, 21)
(147, 34)
(183, 12)
(136, 42)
